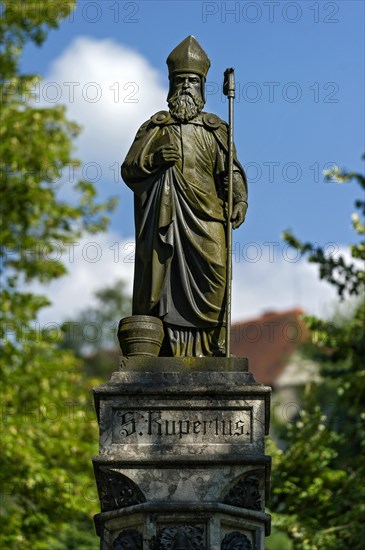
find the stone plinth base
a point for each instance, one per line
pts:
(202, 526)
(182, 461)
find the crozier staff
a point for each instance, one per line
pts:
(229, 91)
(177, 168)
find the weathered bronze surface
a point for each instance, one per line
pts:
(177, 168)
(140, 335)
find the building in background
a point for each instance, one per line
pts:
(273, 344)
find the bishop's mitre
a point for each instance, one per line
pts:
(188, 57)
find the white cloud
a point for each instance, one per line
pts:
(274, 283)
(271, 283)
(94, 262)
(109, 90)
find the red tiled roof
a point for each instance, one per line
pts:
(268, 342)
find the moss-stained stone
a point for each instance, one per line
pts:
(182, 453)
(185, 364)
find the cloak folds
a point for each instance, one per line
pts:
(180, 263)
(180, 253)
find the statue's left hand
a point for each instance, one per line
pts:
(238, 214)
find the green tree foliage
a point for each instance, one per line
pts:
(95, 328)
(348, 277)
(318, 481)
(48, 423)
(93, 334)
(36, 151)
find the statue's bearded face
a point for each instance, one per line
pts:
(186, 101)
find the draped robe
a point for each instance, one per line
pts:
(180, 217)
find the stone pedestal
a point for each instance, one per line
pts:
(182, 463)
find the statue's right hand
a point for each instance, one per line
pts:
(165, 154)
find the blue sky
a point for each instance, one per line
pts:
(300, 73)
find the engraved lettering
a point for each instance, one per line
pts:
(216, 426)
(239, 427)
(127, 420)
(196, 428)
(153, 422)
(224, 427)
(173, 431)
(144, 426)
(182, 432)
(205, 422)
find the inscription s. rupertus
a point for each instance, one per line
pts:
(194, 426)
